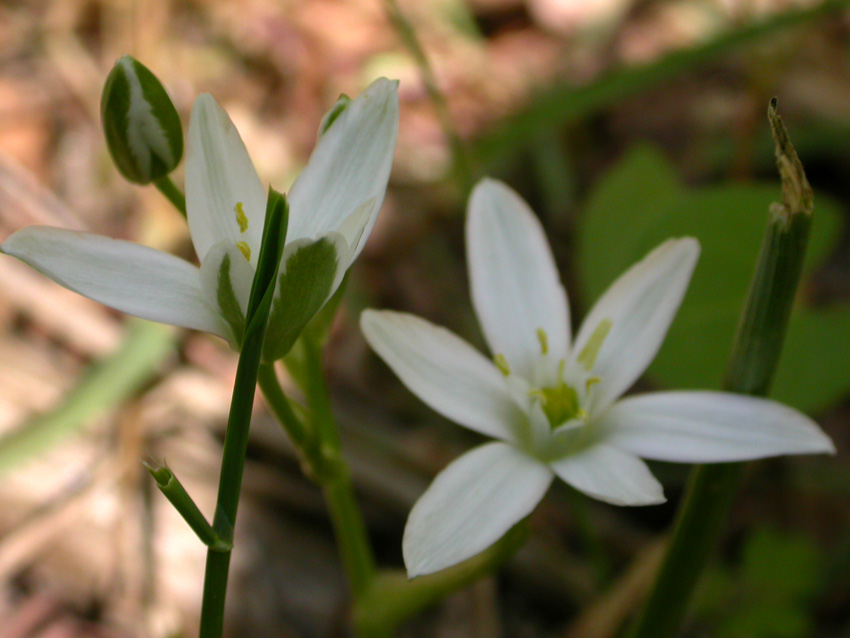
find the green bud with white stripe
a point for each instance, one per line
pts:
(142, 126)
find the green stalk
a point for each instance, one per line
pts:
(333, 475)
(174, 195)
(279, 404)
(349, 529)
(239, 419)
(754, 358)
(320, 448)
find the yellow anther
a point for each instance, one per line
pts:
(245, 249)
(591, 381)
(502, 364)
(588, 354)
(241, 219)
(543, 338)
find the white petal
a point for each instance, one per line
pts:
(640, 305)
(228, 290)
(470, 505)
(710, 427)
(515, 285)
(131, 278)
(445, 372)
(352, 230)
(220, 177)
(349, 166)
(611, 475)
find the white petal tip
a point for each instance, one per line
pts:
(642, 500)
(687, 246)
(205, 100)
(822, 444)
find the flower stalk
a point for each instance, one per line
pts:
(319, 446)
(239, 419)
(173, 194)
(755, 355)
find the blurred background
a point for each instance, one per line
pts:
(622, 122)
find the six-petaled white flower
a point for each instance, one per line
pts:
(333, 206)
(553, 405)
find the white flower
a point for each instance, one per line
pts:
(333, 206)
(551, 404)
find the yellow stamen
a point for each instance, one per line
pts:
(241, 217)
(543, 338)
(591, 381)
(587, 356)
(245, 249)
(502, 364)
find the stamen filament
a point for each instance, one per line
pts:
(587, 356)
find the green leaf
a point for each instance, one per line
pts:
(142, 127)
(796, 576)
(640, 203)
(304, 285)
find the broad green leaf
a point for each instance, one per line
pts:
(640, 203)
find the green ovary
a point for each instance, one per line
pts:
(560, 404)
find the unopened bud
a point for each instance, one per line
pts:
(142, 126)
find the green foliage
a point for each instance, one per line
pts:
(641, 202)
(768, 595)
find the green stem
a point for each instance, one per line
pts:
(319, 398)
(279, 404)
(407, 34)
(239, 419)
(230, 483)
(349, 529)
(754, 358)
(331, 472)
(172, 193)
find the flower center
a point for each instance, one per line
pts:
(560, 403)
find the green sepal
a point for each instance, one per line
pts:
(304, 285)
(141, 124)
(333, 113)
